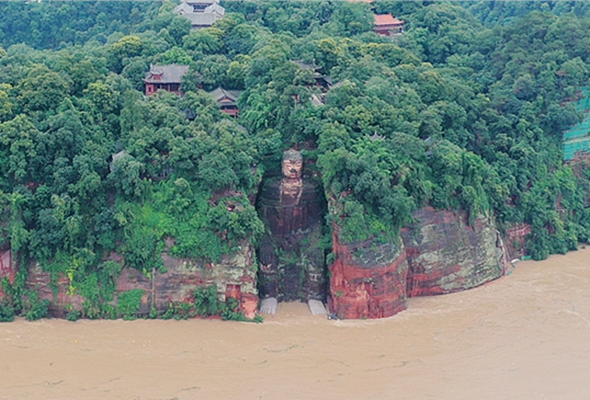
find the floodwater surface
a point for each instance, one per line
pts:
(525, 336)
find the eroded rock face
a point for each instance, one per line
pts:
(234, 275)
(368, 280)
(446, 254)
(515, 239)
(8, 268)
(440, 253)
(61, 298)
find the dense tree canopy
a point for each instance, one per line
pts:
(465, 110)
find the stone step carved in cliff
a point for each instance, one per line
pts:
(268, 306)
(317, 307)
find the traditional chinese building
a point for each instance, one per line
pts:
(387, 24)
(164, 77)
(202, 14)
(227, 100)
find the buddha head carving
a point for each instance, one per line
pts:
(292, 164)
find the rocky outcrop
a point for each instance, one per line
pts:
(61, 297)
(368, 279)
(446, 254)
(440, 253)
(234, 276)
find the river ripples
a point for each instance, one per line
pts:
(525, 336)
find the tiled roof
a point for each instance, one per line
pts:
(183, 8)
(172, 73)
(387, 19)
(219, 94)
(215, 8)
(201, 17)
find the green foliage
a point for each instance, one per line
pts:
(6, 311)
(73, 315)
(33, 308)
(128, 303)
(231, 312)
(175, 55)
(180, 311)
(207, 302)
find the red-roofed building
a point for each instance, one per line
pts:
(387, 24)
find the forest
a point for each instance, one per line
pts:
(464, 110)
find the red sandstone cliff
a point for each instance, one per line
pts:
(368, 280)
(515, 239)
(439, 253)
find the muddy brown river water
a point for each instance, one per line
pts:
(525, 336)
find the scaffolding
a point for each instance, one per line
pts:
(577, 138)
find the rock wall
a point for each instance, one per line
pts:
(446, 254)
(234, 275)
(58, 292)
(515, 239)
(8, 268)
(440, 253)
(367, 279)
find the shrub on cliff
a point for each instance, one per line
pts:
(6, 311)
(128, 304)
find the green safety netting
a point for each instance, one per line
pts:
(578, 137)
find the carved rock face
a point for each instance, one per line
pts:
(291, 191)
(292, 164)
(291, 257)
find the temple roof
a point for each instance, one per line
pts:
(172, 73)
(183, 8)
(387, 19)
(232, 95)
(200, 17)
(215, 8)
